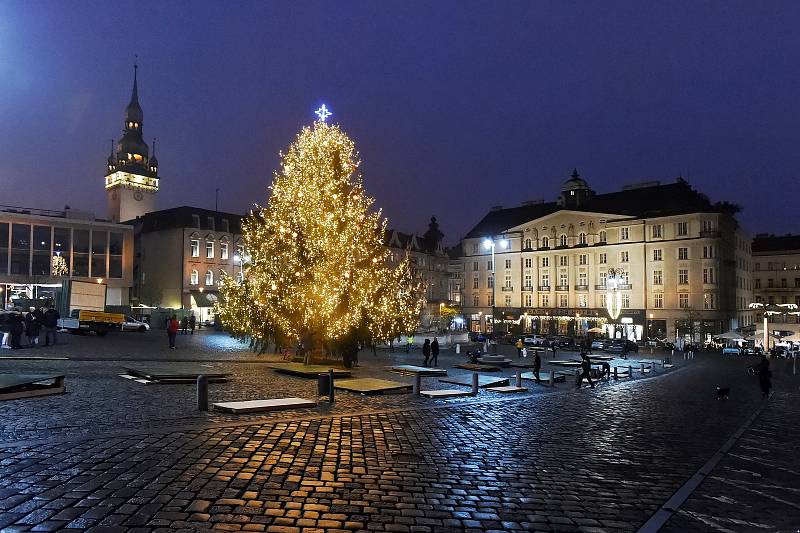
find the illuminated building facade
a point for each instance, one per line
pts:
(131, 180)
(684, 264)
(776, 276)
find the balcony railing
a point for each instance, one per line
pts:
(581, 287)
(562, 287)
(527, 288)
(507, 289)
(710, 233)
(544, 288)
(624, 286)
(599, 287)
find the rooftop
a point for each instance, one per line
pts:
(182, 217)
(775, 243)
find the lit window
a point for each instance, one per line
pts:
(194, 278)
(624, 257)
(657, 255)
(626, 300)
(623, 234)
(657, 277)
(582, 238)
(656, 231)
(603, 236)
(681, 229)
(683, 300)
(658, 300)
(563, 240)
(508, 301)
(195, 247)
(475, 300)
(683, 276)
(210, 249)
(209, 278)
(602, 258)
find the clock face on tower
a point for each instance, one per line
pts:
(138, 196)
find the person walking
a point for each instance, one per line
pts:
(192, 323)
(435, 352)
(33, 328)
(537, 365)
(426, 350)
(172, 331)
(586, 371)
(519, 346)
(554, 348)
(50, 324)
(764, 376)
(409, 341)
(184, 324)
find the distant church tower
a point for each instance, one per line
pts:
(132, 175)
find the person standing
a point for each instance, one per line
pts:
(764, 376)
(50, 323)
(554, 346)
(426, 350)
(172, 331)
(537, 365)
(435, 352)
(519, 346)
(33, 327)
(192, 323)
(586, 371)
(409, 341)
(184, 324)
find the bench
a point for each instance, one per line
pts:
(261, 406)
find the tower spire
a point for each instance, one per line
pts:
(135, 93)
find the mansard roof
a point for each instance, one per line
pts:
(764, 243)
(181, 217)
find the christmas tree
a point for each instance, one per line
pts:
(317, 271)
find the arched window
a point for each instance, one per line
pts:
(527, 244)
(545, 242)
(582, 238)
(563, 240)
(209, 278)
(603, 236)
(194, 279)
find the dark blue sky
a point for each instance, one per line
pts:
(454, 106)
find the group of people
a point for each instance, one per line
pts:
(186, 326)
(17, 328)
(430, 350)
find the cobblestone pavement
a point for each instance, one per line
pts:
(589, 460)
(99, 400)
(755, 487)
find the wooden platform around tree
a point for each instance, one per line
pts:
(371, 386)
(262, 406)
(544, 377)
(478, 368)
(483, 381)
(308, 371)
(507, 389)
(177, 375)
(412, 370)
(16, 386)
(445, 393)
(521, 364)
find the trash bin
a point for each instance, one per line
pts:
(323, 384)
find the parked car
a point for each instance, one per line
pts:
(131, 324)
(533, 341)
(731, 351)
(598, 344)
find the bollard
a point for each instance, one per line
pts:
(202, 393)
(643, 369)
(417, 384)
(616, 376)
(552, 379)
(672, 352)
(630, 372)
(330, 385)
(475, 383)
(651, 350)
(519, 377)
(794, 365)
(458, 348)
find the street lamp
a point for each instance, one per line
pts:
(489, 244)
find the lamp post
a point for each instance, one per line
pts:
(489, 244)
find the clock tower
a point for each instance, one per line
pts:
(131, 180)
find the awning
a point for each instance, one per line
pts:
(204, 298)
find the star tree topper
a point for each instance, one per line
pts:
(323, 113)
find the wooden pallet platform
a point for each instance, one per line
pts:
(483, 381)
(371, 386)
(508, 389)
(445, 393)
(544, 377)
(263, 406)
(177, 375)
(478, 368)
(412, 370)
(16, 386)
(308, 371)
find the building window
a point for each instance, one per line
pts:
(489, 265)
(708, 225)
(210, 249)
(490, 299)
(708, 301)
(683, 276)
(681, 229)
(527, 244)
(475, 250)
(657, 277)
(623, 234)
(508, 263)
(602, 300)
(582, 279)
(490, 282)
(196, 221)
(475, 300)
(563, 280)
(545, 300)
(563, 300)
(770, 283)
(508, 281)
(758, 284)
(195, 244)
(657, 255)
(528, 280)
(528, 300)
(210, 221)
(683, 253)
(708, 252)
(545, 261)
(783, 283)
(475, 283)
(545, 242)
(797, 282)
(528, 262)
(658, 300)
(209, 278)
(602, 258)
(194, 278)
(223, 250)
(757, 267)
(474, 266)
(582, 238)
(708, 275)
(583, 259)
(508, 301)
(626, 300)
(602, 278)
(545, 279)
(683, 300)
(656, 231)
(562, 240)
(624, 257)
(563, 260)
(603, 237)
(583, 300)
